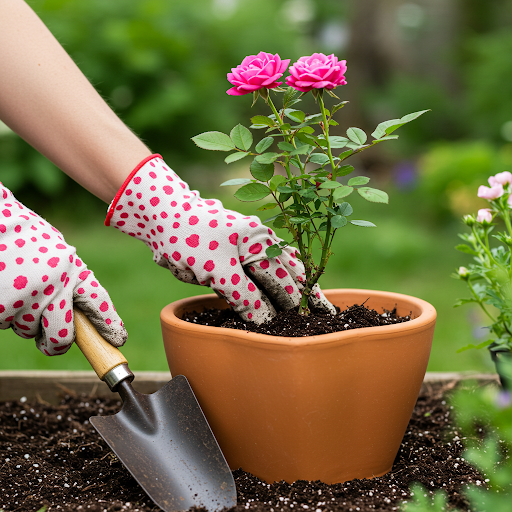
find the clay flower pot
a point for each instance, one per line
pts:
(332, 407)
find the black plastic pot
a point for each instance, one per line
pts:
(503, 361)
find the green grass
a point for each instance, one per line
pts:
(403, 254)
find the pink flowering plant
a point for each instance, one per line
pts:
(310, 195)
(489, 278)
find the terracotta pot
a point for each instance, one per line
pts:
(332, 407)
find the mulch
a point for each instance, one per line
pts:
(51, 455)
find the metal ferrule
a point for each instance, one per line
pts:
(117, 375)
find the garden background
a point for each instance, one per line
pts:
(162, 66)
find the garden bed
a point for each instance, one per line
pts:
(51, 455)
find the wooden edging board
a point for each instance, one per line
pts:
(50, 386)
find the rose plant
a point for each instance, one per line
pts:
(310, 196)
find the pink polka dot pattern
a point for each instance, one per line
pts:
(209, 245)
(38, 293)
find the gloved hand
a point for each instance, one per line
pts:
(40, 279)
(202, 243)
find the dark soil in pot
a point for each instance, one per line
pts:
(290, 323)
(51, 455)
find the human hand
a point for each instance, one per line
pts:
(41, 277)
(203, 243)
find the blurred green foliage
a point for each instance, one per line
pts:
(451, 172)
(162, 67)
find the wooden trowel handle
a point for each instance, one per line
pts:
(100, 353)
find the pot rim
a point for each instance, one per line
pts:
(426, 317)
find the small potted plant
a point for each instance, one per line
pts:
(489, 278)
(331, 407)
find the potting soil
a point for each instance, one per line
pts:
(290, 323)
(52, 456)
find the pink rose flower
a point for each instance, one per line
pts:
(257, 72)
(484, 215)
(490, 193)
(502, 178)
(317, 72)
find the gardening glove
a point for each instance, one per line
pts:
(40, 279)
(202, 243)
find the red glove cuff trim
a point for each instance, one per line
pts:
(125, 184)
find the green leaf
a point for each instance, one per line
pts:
(344, 170)
(236, 181)
(241, 137)
(337, 142)
(345, 209)
(299, 219)
(309, 194)
(364, 223)
(285, 146)
(267, 206)
(279, 223)
(264, 144)
(306, 138)
(338, 221)
(262, 172)
(313, 119)
(373, 195)
(301, 150)
(358, 180)
(338, 106)
(330, 184)
(465, 248)
(354, 145)
(252, 192)
(297, 116)
(356, 135)
(319, 158)
(345, 154)
(387, 127)
(284, 189)
(288, 95)
(341, 192)
(389, 137)
(215, 141)
(267, 158)
(273, 251)
(263, 120)
(233, 157)
(483, 344)
(276, 181)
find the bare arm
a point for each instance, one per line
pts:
(47, 100)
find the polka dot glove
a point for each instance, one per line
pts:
(202, 243)
(40, 279)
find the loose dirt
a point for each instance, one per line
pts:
(290, 323)
(52, 456)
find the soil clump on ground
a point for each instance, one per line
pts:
(290, 323)
(52, 456)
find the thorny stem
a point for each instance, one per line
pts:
(313, 272)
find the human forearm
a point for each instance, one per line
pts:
(46, 99)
